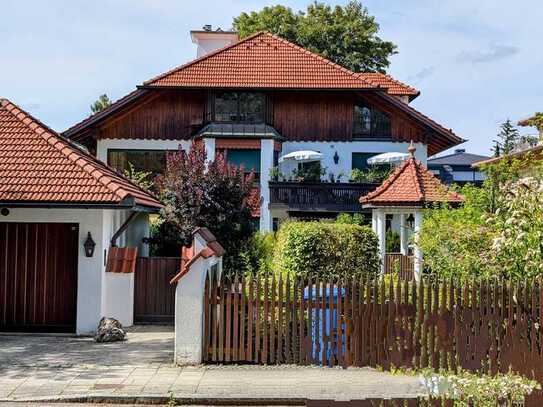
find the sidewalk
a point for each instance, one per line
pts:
(203, 383)
(38, 368)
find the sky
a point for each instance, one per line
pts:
(476, 62)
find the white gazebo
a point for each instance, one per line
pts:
(406, 192)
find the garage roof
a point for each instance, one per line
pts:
(38, 167)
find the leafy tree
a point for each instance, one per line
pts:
(102, 102)
(535, 121)
(498, 231)
(345, 35)
(143, 179)
(508, 138)
(215, 195)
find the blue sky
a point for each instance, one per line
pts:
(476, 63)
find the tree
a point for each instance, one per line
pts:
(498, 231)
(508, 136)
(215, 195)
(345, 35)
(102, 102)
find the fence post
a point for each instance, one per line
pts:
(201, 258)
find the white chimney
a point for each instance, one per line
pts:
(208, 40)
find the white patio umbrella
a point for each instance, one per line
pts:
(302, 156)
(388, 158)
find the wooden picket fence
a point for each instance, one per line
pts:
(478, 326)
(400, 264)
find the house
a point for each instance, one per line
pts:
(529, 154)
(257, 100)
(457, 168)
(62, 212)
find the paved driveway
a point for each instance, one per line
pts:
(42, 368)
(146, 345)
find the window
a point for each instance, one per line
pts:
(360, 160)
(244, 107)
(249, 159)
(370, 122)
(153, 161)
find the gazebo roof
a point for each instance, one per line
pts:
(411, 184)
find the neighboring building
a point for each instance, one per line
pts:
(261, 98)
(535, 153)
(56, 201)
(457, 168)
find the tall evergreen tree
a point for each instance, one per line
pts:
(508, 138)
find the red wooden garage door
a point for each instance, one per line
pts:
(38, 276)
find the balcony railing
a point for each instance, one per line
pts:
(319, 196)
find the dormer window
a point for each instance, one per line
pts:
(370, 122)
(240, 107)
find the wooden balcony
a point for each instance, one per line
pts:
(319, 196)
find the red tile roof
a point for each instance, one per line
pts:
(38, 166)
(393, 86)
(411, 184)
(262, 61)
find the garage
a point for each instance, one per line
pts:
(38, 276)
(61, 213)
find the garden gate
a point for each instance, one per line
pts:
(484, 327)
(154, 296)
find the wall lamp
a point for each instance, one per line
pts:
(89, 245)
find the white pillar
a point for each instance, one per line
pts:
(403, 234)
(381, 235)
(209, 145)
(418, 253)
(266, 164)
(189, 307)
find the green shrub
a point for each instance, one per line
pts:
(351, 219)
(392, 241)
(326, 250)
(256, 254)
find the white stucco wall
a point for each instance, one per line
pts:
(345, 152)
(98, 293)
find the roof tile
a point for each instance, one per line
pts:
(37, 165)
(410, 184)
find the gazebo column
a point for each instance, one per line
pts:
(378, 223)
(403, 234)
(418, 253)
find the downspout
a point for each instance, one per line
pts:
(133, 215)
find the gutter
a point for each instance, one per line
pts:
(133, 215)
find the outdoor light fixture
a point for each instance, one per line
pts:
(89, 245)
(336, 158)
(4, 211)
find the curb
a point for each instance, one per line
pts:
(161, 400)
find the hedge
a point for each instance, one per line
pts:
(310, 249)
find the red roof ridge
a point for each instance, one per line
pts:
(202, 58)
(408, 89)
(423, 191)
(319, 57)
(78, 156)
(251, 37)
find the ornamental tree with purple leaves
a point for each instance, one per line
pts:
(216, 195)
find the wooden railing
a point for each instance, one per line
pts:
(327, 196)
(401, 264)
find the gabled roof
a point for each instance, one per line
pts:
(393, 86)
(262, 60)
(411, 184)
(40, 168)
(457, 158)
